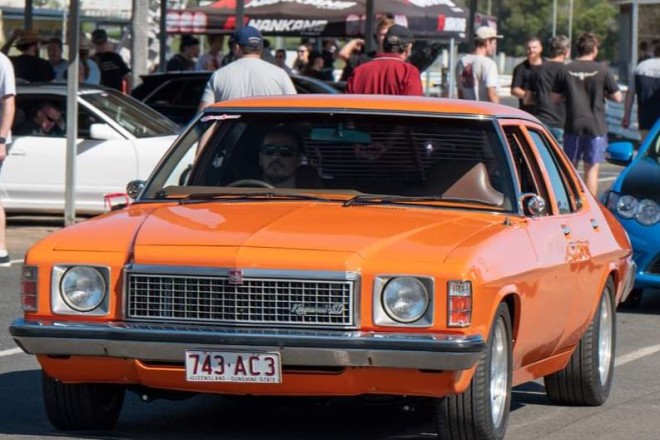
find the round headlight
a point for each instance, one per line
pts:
(83, 288)
(626, 206)
(648, 212)
(405, 299)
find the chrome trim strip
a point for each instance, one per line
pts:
(630, 279)
(298, 348)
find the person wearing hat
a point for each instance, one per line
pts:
(476, 73)
(28, 65)
(249, 75)
(188, 53)
(389, 73)
(114, 71)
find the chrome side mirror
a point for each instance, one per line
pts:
(533, 205)
(134, 188)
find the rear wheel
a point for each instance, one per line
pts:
(587, 378)
(482, 411)
(85, 406)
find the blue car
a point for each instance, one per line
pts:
(635, 200)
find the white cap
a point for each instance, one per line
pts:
(486, 33)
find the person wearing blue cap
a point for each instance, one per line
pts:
(249, 75)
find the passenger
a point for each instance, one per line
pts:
(47, 121)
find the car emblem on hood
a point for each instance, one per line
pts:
(235, 276)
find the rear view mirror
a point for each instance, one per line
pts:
(619, 153)
(341, 135)
(103, 132)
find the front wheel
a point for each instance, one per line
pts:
(587, 378)
(82, 406)
(482, 411)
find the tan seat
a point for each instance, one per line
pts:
(462, 179)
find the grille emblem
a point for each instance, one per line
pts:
(235, 276)
(324, 309)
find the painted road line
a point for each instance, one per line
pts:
(10, 352)
(637, 354)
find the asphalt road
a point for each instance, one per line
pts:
(631, 411)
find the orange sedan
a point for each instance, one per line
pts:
(337, 246)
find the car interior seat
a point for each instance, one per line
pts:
(462, 179)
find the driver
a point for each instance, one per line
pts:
(279, 157)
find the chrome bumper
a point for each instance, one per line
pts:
(168, 343)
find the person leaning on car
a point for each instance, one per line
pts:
(389, 73)
(249, 75)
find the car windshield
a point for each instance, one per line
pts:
(359, 158)
(139, 120)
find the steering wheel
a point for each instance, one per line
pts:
(251, 182)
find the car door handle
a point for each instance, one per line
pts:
(17, 152)
(565, 229)
(594, 223)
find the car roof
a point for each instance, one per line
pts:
(377, 103)
(57, 87)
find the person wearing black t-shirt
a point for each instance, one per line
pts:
(521, 82)
(185, 59)
(585, 84)
(114, 71)
(543, 76)
(28, 65)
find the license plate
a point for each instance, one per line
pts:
(222, 366)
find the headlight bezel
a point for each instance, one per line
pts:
(63, 305)
(614, 202)
(384, 317)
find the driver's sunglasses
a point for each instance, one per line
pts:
(47, 116)
(281, 150)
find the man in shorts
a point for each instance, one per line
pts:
(585, 84)
(7, 110)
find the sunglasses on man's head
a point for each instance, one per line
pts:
(281, 150)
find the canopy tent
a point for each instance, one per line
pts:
(432, 19)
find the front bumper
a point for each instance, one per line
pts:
(322, 348)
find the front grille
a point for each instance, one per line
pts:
(256, 301)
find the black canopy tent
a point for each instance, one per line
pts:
(427, 19)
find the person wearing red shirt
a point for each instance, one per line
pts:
(389, 73)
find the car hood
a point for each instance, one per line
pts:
(642, 179)
(373, 232)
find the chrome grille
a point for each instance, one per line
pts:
(256, 301)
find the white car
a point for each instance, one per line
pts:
(119, 140)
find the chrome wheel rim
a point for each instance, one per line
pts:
(499, 374)
(605, 339)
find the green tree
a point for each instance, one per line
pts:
(520, 19)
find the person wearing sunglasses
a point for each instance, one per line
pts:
(279, 157)
(47, 121)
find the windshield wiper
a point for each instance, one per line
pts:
(402, 200)
(232, 197)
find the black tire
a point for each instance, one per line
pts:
(470, 415)
(587, 379)
(634, 299)
(86, 406)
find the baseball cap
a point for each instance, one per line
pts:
(99, 36)
(398, 37)
(486, 33)
(248, 36)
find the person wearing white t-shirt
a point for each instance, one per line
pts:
(7, 111)
(249, 75)
(476, 73)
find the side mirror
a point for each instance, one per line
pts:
(533, 205)
(103, 132)
(134, 188)
(619, 153)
